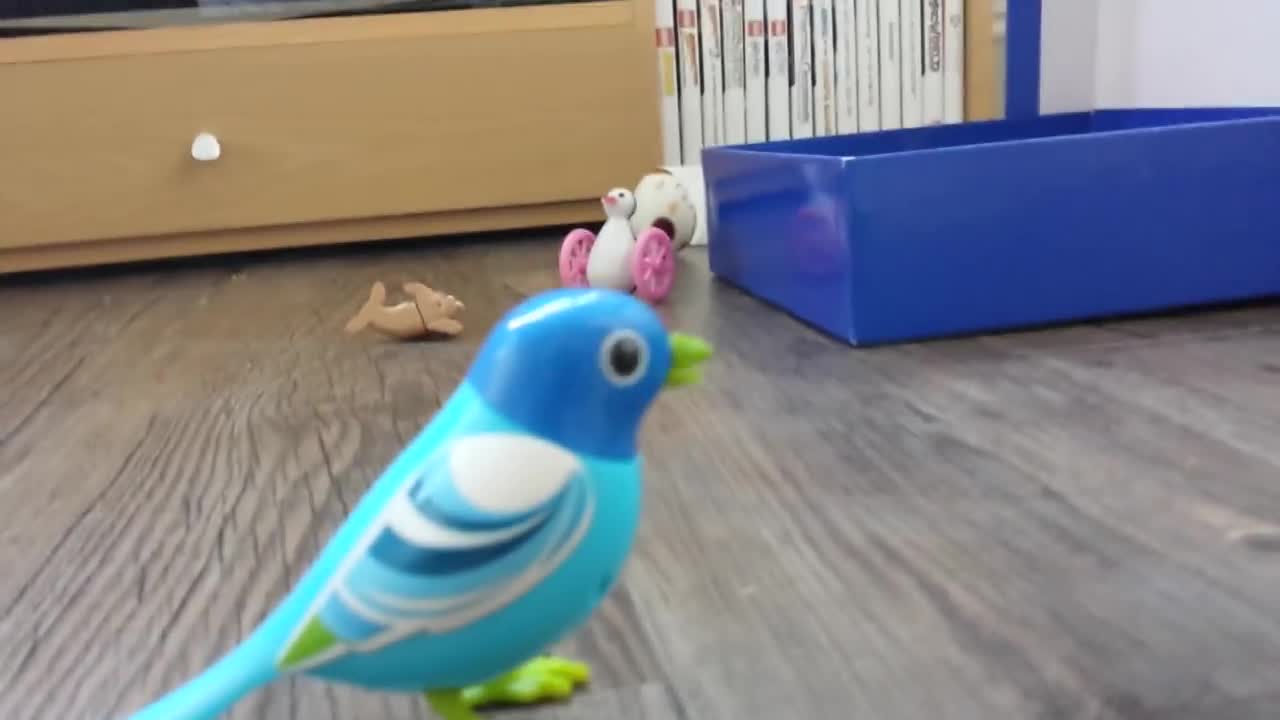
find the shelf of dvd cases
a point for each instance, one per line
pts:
(745, 71)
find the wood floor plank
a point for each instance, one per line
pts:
(1042, 525)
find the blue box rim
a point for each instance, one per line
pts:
(1213, 116)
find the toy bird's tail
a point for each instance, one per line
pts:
(212, 693)
(377, 297)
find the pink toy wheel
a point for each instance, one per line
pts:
(574, 252)
(653, 265)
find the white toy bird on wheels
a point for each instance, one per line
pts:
(616, 258)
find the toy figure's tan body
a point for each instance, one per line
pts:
(429, 312)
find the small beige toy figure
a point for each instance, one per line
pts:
(430, 312)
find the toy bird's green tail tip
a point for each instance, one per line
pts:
(314, 639)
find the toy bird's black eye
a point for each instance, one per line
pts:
(624, 356)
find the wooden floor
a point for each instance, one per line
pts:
(1066, 524)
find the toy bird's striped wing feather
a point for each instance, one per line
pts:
(478, 525)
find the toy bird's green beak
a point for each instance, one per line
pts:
(687, 355)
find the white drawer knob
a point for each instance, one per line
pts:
(205, 147)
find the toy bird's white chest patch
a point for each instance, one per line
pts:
(509, 474)
(609, 264)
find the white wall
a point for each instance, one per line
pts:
(1175, 53)
(1068, 51)
(1158, 53)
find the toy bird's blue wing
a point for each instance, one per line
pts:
(482, 521)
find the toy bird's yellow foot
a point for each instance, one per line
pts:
(539, 680)
(450, 705)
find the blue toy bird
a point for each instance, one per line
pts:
(493, 534)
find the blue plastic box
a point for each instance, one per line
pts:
(1060, 213)
(912, 234)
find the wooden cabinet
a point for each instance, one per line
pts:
(330, 130)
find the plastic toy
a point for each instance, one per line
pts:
(429, 312)
(619, 258)
(496, 531)
(665, 202)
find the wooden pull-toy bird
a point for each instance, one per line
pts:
(493, 534)
(618, 258)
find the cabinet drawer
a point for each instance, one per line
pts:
(320, 120)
